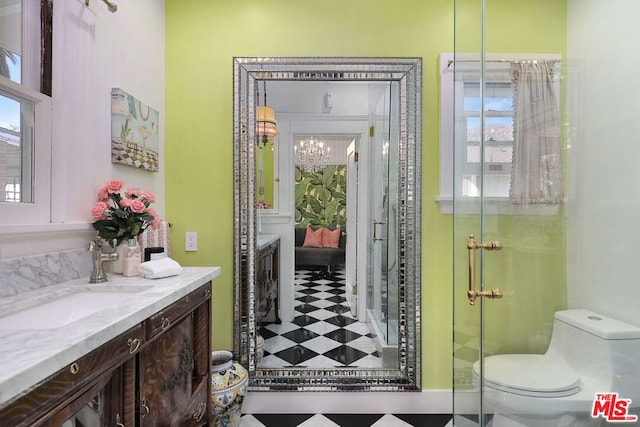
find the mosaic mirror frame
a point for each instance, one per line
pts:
(247, 73)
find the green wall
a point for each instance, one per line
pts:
(203, 36)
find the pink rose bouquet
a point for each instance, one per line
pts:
(263, 204)
(121, 218)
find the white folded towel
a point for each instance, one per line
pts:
(159, 268)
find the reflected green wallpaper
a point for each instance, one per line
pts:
(321, 197)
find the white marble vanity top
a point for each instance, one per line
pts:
(265, 239)
(28, 356)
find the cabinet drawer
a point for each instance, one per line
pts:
(111, 353)
(61, 385)
(170, 315)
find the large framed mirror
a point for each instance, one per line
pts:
(386, 230)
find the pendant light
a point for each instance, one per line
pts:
(266, 122)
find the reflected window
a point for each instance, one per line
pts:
(12, 193)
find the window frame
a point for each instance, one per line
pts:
(471, 204)
(36, 50)
(38, 211)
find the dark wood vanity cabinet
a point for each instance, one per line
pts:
(173, 371)
(155, 374)
(267, 283)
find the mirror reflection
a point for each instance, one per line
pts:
(324, 273)
(267, 133)
(89, 415)
(340, 169)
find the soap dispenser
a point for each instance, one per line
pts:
(132, 259)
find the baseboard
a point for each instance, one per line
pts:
(425, 402)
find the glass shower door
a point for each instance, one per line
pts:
(468, 328)
(382, 289)
(509, 269)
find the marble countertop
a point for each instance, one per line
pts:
(28, 356)
(265, 239)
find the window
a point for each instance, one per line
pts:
(498, 138)
(17, 117)
(25, 125)
(461, 136)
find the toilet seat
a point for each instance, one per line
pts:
(533, 375)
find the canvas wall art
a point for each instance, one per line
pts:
(134, 132)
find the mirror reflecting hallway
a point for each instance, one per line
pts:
(323, 332)
(347, 322)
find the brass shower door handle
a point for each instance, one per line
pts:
(472, 293)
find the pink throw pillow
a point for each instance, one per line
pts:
(330, 239)
(313, 239)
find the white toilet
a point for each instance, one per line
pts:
(589, 353)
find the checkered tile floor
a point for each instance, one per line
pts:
(345, 420)
(323, 332)
(466, 350)
(136, 157)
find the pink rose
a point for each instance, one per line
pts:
(103, 194)
(137, 206)
(125, 203)
(157, 221)
(148, 196)
(132, 193)
(114, 185)
(99, 209)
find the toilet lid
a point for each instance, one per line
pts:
(529, 375)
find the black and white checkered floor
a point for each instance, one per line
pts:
(345, 420)
(323, 332)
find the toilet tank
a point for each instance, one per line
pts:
(599, 348)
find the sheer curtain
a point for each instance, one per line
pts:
(536, 175)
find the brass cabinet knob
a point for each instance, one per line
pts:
(134, 344)
(74, 368)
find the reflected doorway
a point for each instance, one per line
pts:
(342, 306)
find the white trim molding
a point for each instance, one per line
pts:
(425, 402)
(492, 206)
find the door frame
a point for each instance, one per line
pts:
(362, 230)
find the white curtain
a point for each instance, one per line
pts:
(536, 175)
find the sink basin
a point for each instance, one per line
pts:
(68, 308)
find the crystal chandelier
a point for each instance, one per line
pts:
(311, 155)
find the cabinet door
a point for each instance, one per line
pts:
(166, 375)
(197, 413)
(90, 372)
(98, 406)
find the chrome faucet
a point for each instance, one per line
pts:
(95, 246)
